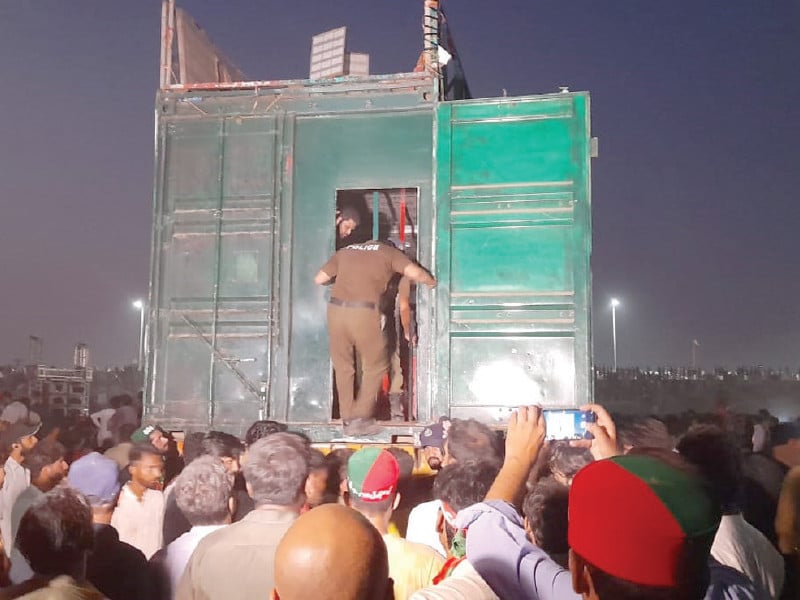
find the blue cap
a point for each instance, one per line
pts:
(96, 477)
(435, 435)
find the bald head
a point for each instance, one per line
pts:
(332, 553)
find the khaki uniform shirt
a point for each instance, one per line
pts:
(237, 562)
(363, 271)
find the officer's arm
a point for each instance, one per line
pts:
(416, 273)
(405, 316)
(321, 278)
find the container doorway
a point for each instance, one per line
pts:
(388, 215)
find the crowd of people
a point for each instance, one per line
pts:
(105, 507)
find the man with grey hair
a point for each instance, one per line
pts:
(224, 446)
(203, 492)
(237, 562)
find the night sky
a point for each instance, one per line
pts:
(694, 193)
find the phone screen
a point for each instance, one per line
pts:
(567, 424)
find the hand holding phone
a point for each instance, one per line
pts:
(525, 434)
(604, 444)
(568, 424)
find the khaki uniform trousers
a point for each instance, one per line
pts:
(354, 331)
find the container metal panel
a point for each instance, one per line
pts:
(512, 254)
(519, 258)
(180, 357)
(249, 176)
(192, 163)
(213, 302)
(521, 370)
(481, 154)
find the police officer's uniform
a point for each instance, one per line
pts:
(362, 272)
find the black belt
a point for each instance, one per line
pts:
(353, 303)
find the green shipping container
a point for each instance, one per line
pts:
(492, 195)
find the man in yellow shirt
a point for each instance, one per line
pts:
(372, 476)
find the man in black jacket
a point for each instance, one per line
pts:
(117, 569)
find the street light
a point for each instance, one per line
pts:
(614, 305)
(139, 305)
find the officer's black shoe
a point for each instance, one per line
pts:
(362, 427)
(370, 427)
(353, 428)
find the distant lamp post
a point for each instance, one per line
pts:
(139, 305)
(695, 346)
(614, 305)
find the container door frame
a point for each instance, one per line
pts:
(529, 199)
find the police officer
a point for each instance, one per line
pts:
(361, 273)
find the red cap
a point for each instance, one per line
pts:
(372, 474)
(641, 520)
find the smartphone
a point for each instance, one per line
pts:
(568, 424)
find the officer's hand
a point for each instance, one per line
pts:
(411, 339)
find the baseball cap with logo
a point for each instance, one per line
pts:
(435, 435)
(96, 477)
(16, 431)
(643, 520)
(142, 435)
(372, 475)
